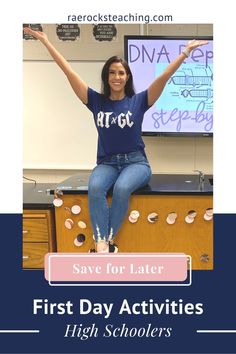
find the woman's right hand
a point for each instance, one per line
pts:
(79, 86)
(36, 34)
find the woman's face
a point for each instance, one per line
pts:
(117, 77)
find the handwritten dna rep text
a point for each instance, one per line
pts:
(200, 116)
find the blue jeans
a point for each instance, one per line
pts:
(125, 173)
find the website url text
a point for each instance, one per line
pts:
(135, 18)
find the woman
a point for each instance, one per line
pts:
(118, 115)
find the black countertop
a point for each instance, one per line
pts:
(41, 195)
(37, 196)
(159, 184)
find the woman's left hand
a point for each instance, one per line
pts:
(195, 43)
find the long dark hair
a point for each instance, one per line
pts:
(129, 88)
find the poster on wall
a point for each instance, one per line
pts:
(104, 32)
(68, 32)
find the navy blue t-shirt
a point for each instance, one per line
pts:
(118, 122)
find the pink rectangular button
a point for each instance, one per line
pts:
(131, 267)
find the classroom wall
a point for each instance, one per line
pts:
(59, 134)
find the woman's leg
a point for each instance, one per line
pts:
(132, 177)
(100, 181)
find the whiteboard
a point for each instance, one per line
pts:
(59, 131)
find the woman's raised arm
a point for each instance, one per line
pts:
(157, 86)
(79, 86)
